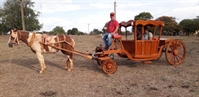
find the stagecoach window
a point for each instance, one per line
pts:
(122, 29)
(128, 31)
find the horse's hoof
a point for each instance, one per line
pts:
(69, 70)
(41, 72)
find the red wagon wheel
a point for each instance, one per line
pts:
(175, 52)
(109, 66)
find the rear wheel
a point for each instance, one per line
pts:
(109, 66)
(175, 52)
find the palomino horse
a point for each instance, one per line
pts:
(39, 44)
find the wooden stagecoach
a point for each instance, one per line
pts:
(133, 47)
(136, 49)
(139, 49)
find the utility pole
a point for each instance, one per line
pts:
(88, 28)
(115, 8)
(22, 15)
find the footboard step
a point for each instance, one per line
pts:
(147, 62)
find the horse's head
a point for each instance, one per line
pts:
(14, 37)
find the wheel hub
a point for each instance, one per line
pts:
(175, 52)
(109, 66)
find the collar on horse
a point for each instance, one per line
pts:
(32, 39)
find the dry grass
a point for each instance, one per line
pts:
(20, 78)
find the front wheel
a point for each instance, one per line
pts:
(175, 52)
(109, 66)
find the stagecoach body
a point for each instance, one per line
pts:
(141, 50)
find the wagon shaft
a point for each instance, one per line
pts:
(86, 55)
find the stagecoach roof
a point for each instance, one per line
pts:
(126, 24)
(148, 22)
(141, 22)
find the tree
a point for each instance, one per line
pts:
(196, 23)
(58, 30)
(143, 16)
(74, 31)
(10, 15)
(69, 32)
(170, 24)
(80, 33)
(187, 26)
(95, 32)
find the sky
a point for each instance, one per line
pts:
(87, 15)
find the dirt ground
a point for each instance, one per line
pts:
(19, 75)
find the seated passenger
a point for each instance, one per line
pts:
(147, 35)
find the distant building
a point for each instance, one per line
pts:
(197, 17)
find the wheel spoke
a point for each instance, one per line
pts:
(170, 50)
(171, 58)
(180, 48)
(177, 60)
(171, 47)
(169, 55)
(180, 57)
(174, 44)
(174, 59)
(180, 52)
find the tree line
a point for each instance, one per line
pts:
(10, 17)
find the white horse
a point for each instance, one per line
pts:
(39, 44)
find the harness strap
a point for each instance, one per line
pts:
(32, 39)
(18, 36)
(66, 41)
(58, 41)
(45, 43)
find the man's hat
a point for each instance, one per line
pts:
(112, 14)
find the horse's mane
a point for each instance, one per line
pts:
(26, 31)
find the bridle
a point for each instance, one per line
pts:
(14, 37)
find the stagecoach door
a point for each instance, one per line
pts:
(146, 48)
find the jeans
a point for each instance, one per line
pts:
(107, 38)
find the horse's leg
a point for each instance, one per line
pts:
(71, 62)
(66, 65)
(41, 61)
